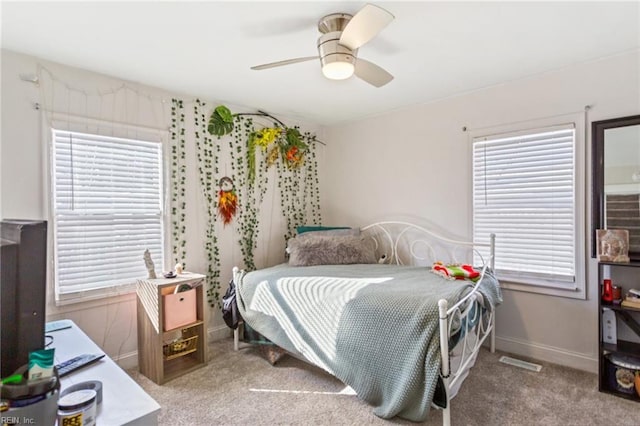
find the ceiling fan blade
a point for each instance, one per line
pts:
(285, 62)
(368, 22)
(371, 73)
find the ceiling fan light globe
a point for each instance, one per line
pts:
(338, 70)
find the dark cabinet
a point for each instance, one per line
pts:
(619, 358)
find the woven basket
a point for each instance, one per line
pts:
(180, 347)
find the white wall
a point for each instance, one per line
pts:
(111, 322)
(416, 162)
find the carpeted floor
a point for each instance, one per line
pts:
(242, 388)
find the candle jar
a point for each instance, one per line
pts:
(617, 294)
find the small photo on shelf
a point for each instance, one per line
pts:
(613, 245)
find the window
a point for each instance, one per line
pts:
(622, 211)
(107, 210)
(524, 191)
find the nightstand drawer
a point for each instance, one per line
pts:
(179, 309)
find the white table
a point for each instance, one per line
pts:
(124, 402)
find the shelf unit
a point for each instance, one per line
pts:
(630, 316)
(166, 354)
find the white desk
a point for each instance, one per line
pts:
(124, 402)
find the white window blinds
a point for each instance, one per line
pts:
(524, 192)
(107, 209)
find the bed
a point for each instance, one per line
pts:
(386, 317)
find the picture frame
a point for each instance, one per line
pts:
(613, 245)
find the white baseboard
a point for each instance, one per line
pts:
(505, 344)
(219, 333)
(127, 361)
(547, 353)
(130, 359)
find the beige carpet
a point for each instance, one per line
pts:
(242, 388)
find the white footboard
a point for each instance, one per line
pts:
(469, 317)
(405, 243)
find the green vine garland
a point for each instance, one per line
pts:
(178, 181)
(299, 195)
(254, 148)
(250, 190)
(294, 155)
(207, 154)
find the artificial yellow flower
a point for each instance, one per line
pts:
(266, 136)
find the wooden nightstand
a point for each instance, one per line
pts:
(164, 354)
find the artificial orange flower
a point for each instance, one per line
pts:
(291, 154)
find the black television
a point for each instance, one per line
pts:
(23, 289)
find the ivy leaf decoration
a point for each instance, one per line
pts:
(293, 137)
(225, 113)
(221, 121)
(251, 156)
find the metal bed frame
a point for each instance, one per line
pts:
(404, 243)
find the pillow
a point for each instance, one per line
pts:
(310, 228)
(330, 233)
(331, 250)
(455, 271)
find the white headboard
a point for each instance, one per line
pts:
(405, 243)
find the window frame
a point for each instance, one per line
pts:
(63, 122)
(547, 286)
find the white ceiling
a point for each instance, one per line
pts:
(434, 49)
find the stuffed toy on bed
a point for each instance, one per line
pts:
(454, 271)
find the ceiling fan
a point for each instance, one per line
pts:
(342, 36)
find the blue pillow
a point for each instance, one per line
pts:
(310, 228)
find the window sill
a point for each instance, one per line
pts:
(57, 307)
(571, 293)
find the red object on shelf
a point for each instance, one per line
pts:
(607, 291)
(617, 294)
